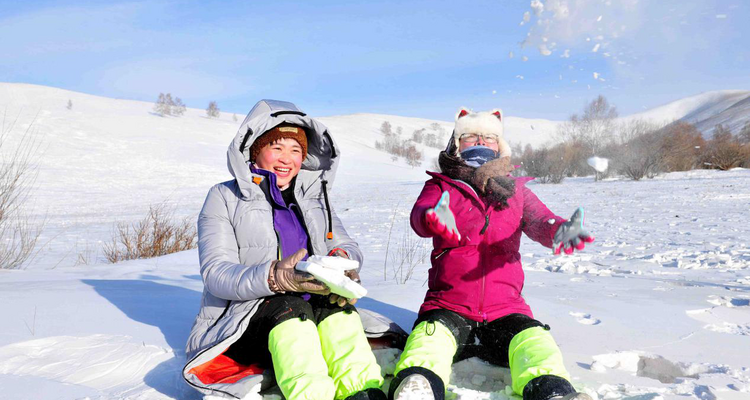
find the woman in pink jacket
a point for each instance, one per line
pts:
(475, 213)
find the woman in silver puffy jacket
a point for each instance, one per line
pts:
(261, 322)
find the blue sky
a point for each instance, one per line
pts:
(410, 58)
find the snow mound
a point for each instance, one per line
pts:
(651, 366)
(97, 361)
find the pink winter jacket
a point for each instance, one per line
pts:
(481, 278)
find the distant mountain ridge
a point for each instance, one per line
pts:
(730, 108)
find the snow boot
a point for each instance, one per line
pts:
(416, 383)
(551, 387)
(573, 396)
(368, 394)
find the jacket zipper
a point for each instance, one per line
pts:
(481, 298)
(486, 224)
(229, 303)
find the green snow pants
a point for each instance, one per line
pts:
(332, 360)
(441, 337)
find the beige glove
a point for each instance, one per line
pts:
(282, 277)
(341, 301)
(351, 274)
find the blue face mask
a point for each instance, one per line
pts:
(475, 156)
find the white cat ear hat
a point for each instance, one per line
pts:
(484, 122)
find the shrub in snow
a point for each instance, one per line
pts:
(725, 151)
(547, 165)
(640, 153)
(157, 234)
(681, 145)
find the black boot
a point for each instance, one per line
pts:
(368, 394)
(551, 387)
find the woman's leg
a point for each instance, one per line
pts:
(347, 353)
(430, 350)
(535, 361)
(293, 342)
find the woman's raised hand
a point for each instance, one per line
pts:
(440, 220)
(571, 235)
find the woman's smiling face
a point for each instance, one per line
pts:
(282, 157)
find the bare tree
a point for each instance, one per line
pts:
(386, 128)
(163, 105)
(548, 165)
(639, 154)
(413, 156)
(724, 151)
(178, 107)
(212, 110)
(592, 131)
(682, 145)
(18, 233)
(418, 135)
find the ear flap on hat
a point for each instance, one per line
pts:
(498, 113)
(462, 112)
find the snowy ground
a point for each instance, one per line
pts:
(657, 307)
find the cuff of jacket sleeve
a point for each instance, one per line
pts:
(262, 281)
(334, 250)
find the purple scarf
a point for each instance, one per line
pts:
(292, 235)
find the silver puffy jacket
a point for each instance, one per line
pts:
(237, 241)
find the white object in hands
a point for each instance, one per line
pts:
(598, 163)
(330, 270)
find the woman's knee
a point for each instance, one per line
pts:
(456, 324)
(281, 308)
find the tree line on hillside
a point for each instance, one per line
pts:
(395, 144)
(166, 105)
(636, 149)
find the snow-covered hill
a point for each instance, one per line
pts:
(730, 108)
(657, 308)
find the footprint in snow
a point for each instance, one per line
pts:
(585, 319)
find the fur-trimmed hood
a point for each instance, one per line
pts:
(322, 152)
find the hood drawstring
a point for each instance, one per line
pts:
(329, 235)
